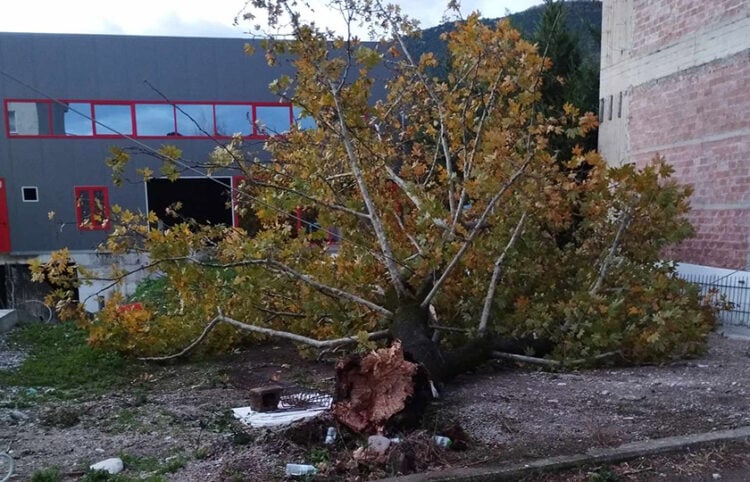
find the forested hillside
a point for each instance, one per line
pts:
(583, 19)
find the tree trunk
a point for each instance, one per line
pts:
(410, 325)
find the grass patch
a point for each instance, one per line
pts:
(140, 464)
(51, 474)
(102, 476)
(140, 469)
(60, 358)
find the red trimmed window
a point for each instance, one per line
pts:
(147, 119)
(92, 207)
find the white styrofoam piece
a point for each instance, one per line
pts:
(284, 416)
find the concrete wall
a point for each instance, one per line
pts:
(682, 70)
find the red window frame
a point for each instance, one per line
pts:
(97, 127)
(256, 133)
(94, 222)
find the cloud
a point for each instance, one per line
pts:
(173, 25)
(195, 17)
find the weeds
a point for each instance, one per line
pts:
(154, 465)
(61, 358)
(51, 474)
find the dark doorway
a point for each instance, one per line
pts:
(206, 200)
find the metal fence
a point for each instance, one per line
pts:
(732, 291)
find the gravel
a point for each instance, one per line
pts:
(512, 413)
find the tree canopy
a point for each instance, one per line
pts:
(449, 205)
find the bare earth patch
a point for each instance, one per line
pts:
(511, 414)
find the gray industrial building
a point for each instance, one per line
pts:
(67, 99)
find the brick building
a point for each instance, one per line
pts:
(675, 81)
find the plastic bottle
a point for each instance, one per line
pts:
(441, 441)
(330, 435)
(300, 469)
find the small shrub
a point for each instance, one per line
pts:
(51, 474)
(61, 417)
(146, 328)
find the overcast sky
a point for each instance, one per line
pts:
(209, 18)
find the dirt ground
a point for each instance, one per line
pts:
(174, 421)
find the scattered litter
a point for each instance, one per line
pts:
(441, 441)
(300, 469)
(305, 399)
(299, 407)
(435, 393)
(378, 444)
(330, 435)
(112, 466)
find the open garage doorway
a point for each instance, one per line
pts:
(203, 199)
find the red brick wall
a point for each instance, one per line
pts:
(659, 23)
(699, 120)
(719, 171)
(720, 239)
(699, 102)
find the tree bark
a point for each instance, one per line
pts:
(411, 326)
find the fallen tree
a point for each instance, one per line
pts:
(446, 202)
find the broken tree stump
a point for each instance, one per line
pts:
(374, 389)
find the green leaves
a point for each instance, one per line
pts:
(433, 155)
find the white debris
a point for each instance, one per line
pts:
(113, 465)
(285, 415)
(378, 443)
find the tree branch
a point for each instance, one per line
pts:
(496, 275)
(526, 359)
(325, 288)
(282, 268)
(188, 348)
(404, 187)
(552, 363)
(443, 142)
(220, 318)
(472, 154)
(377, 226)
(474, 232)
(411, 238)
(604, 268)
(335, 207)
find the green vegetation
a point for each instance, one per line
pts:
(51, 474)
(572, 79)
(319, 455)
(61, 358)
(150, 291)
(583, 20)
(470, 198)
(153, 465)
